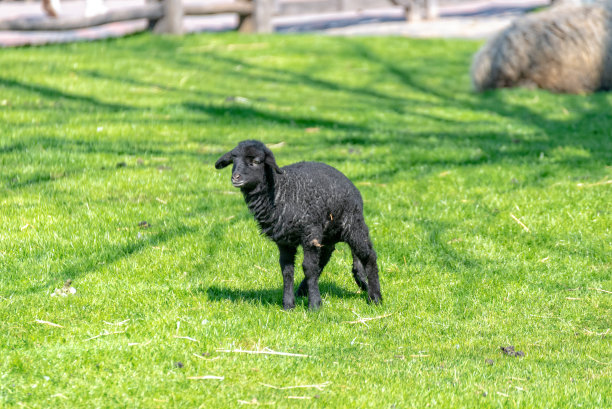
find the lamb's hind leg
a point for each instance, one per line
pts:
(361, 245)
(325, 255)
(312, 254)
(359, 273)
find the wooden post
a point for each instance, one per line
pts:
(152, 22)
(345, 5)
(263, 16)
(246, 22)
(411, 10)
(172, 20)
(431, 9)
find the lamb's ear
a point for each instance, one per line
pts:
(224, 160)
(270, 161)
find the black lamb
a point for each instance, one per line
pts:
(306, 204)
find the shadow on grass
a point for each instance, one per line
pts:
(559, 131)
(588, 127)
(589, 111)
(131, 147)
(99, 145)
(54, 149)
(131, 81)
(54, 94)
(411, 77)
(274, 296)
(245, 114)
(90, 263)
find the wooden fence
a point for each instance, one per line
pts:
(166, 16)
(414, 9)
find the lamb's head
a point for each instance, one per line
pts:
(251, 160)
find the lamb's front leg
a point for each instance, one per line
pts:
(287, 260)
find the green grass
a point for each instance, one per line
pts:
(95, 138)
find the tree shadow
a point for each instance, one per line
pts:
(128, 80)
(94, 262)
(591, 114)
(408, 77)
(586, 111)
(592, 110)
(13, 177)
(288, 77)
(55, 94)
(246, 114)
(87, 146)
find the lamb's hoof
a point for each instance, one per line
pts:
(316, 305)
(375, 298)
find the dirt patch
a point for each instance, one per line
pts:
(509, 350)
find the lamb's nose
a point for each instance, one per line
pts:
(236, 177)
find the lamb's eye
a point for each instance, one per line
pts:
(256, 162)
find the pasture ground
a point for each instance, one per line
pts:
(490, 214)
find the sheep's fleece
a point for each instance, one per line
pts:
(563, 49)
(306, 204)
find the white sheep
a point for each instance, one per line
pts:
(562, 49)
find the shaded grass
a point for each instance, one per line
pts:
(98, 137)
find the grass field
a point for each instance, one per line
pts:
(491, 215)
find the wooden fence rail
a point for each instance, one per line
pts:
(166, 16)
(413, 9)
(147, 11)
